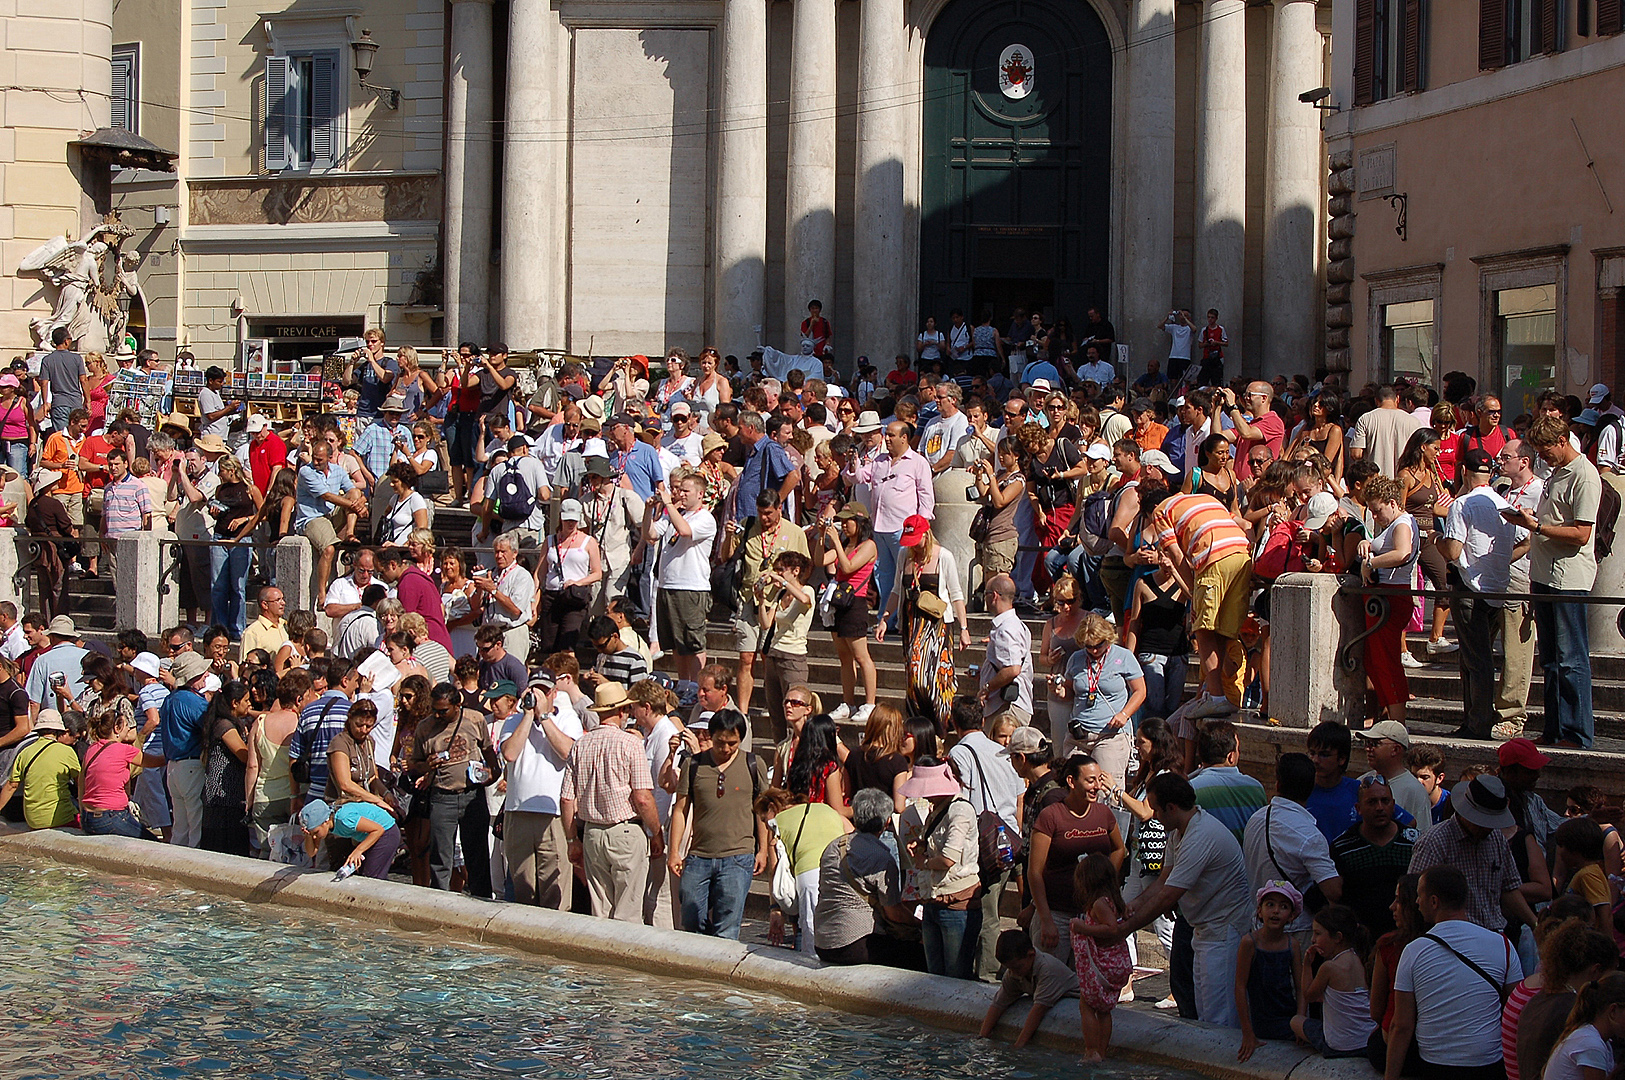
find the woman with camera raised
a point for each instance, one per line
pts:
(784, 610)
(1000, 490)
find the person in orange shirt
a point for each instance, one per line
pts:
(61, 454)
(1147, 432)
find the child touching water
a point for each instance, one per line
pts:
(1597, 1019)
(1340, 984)
(1103, 969)
(1267, 964)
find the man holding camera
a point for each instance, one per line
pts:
(536, 741)
(764, 538)
(683, 603)
(373, 371)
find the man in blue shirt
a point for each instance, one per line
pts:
(769, 467)
(636, 461)
(323, 488)
(378, 440)
(319, 722)
(64, 657)
(180, 728)
(375, 370)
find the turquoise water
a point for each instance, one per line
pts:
(130, 980)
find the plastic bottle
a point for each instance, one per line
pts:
(1007, 852)
(349, 868)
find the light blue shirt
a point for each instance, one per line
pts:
(312, 485)
(347, 819)
(64, 657)
(376, 443)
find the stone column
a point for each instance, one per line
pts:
(468, 175)
(878, 242)
(1309, 625)
(1293, 203)
(809, 258)
(139, 605)
(534, 206)
(740, 266)
(1148, 218)
(1221, 170)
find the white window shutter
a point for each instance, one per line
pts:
(123, 92)
(276, 113)
(323, 128)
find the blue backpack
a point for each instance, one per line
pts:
(515, 500)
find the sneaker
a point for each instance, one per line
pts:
(1207, 706)
(1167, 1003)
(1507, 729)
(1442, 647)
(1408, 659)
(841, 712)
(861, 716)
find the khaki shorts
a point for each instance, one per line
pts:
(1220, 604)
(681, 615)
(747, 635)
(997, 558)
(74, 504)
(323, 532)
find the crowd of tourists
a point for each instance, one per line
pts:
(533, 716)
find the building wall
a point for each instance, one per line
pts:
(1496, 186)
(56, 68)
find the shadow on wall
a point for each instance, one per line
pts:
(687, 227)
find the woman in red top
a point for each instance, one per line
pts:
(110, 764)
(461, 427)
(96, 381)
(816, 772)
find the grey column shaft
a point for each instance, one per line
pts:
(878, 277)
(1295, 206)
(809, 262)
(739, 286)
(534, 201)
(1148, 248)
(1221, 169)
(467, 272)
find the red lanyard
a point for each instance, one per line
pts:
(1094, 672)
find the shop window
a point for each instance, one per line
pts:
(1407, 341)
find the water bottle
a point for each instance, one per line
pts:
(1007, 851)
(348, 868)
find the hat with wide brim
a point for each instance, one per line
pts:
(598, 465)
(211, 444)
(1483, 802)
(177, 420)
(62, 626)
(712, 441)
(49, 720)
(868, 423)
(188, 666)
(930, 782)
(609, 697)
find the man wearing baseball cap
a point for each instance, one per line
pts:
(1479, 541)
(267, 451)
(1521, 762)
(1385, 744)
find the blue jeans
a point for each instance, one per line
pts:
(951, 940)
(228, 570)
(112, 823)
(888, 550)
(712, 893)
(17, 455)
(1164, 685)
(1565, 661)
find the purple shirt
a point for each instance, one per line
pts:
(124, 504)
(417, 592)
(900, 488)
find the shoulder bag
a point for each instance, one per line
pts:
(1502, 992)
(988, 826)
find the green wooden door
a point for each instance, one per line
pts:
(1016, 187)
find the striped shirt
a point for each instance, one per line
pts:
(124, 506)
(1200, 526)
(1229, 795)
(603, 769)
(625, 667)
(318, 723)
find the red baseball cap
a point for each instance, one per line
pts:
(1521, 752)
(914, 529)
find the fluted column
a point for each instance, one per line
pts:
(809, 262)
(1148, 249)
(739, 290)
(1291, 291)
(878, 277)
(467, 272)
(534, 203)
(1221, 168)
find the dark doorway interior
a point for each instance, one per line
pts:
(1008, 294)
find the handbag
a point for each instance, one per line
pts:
(989, 826)
(571, 597)
(786, 894)
(834, 600)
(434, 482)
(979, 525)
(931, 605)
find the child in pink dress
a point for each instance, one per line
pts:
(1103, 969)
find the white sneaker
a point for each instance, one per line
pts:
(1207, 706)
(862, 714)
(1507, 729)
(1408, 659)
(1442, 647)
(843, 711)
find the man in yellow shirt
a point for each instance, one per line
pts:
(267, 632)
(44, 769)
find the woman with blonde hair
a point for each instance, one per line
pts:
(1106, 686)
(1060, 642)
(800, 702)
(415, 385)
(927, 594)
(95, 381)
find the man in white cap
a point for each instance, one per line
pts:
(180, 726)
(685, 438)
(61, 665)
(267, 452)
(1385, 744)
(1602, 399)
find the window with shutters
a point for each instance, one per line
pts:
(1511, 31)
(304, 112)
(1390, 42)
(1610, 17)
(126, 88)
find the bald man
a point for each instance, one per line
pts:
(1255, 423)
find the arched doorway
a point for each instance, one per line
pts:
(1016, 182)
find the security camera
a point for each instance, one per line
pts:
(1315, 96)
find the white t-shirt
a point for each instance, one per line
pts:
(657, 748)
(536, 478)
(976, 756)
(1486, 538)
(537, 776)
(209, 401)
(685, 561)
(1293, 847)
(1458, 1013)
(1179, 344)
(942, 436)
(14, 644)
(399, 520)
(342, 590)
(1585, 1047)
(686, 448)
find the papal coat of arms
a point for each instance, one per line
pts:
(1016, 72)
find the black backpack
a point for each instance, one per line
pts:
(515, 500)
(1607, 518)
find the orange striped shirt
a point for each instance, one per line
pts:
(1201, 527)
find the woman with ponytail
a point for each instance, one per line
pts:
(1585, 1051)
(1572, 954)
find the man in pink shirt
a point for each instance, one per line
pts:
(416, 591)
(900, 486)
(1266, 426)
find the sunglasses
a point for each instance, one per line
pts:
(797, 702)
(1372, 781)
